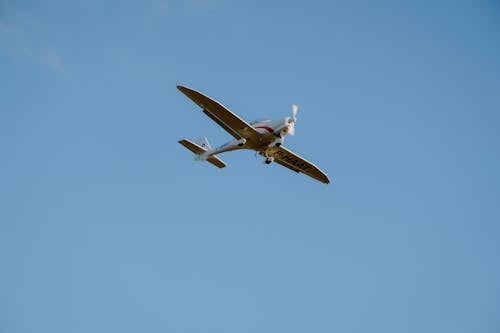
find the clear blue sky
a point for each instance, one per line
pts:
(108, 225)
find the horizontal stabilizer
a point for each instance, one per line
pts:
(200, 150)
(216, 161)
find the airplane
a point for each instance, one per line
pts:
(265, 136)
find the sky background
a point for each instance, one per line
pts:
(108, 225)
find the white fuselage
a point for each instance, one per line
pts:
(272, 134)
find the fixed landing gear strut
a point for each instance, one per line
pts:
(269, 159)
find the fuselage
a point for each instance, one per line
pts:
(271, 134)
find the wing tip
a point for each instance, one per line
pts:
(323, 179)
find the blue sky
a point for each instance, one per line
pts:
(107, 224)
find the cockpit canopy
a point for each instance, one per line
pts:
(259, 121)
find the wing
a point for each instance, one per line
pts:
(296, 163)
(233, 124)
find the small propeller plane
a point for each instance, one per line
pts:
(265, 136)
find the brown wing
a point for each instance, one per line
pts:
(233, 124)
(296, 163)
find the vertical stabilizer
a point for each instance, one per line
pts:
(203, 142)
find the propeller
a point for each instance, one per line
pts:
(291, 121)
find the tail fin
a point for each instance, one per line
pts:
(203, 143)
(201, 147)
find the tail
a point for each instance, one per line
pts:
(202, 146)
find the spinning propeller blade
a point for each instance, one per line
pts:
(291, 126)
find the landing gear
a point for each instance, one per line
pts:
(268, 157)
